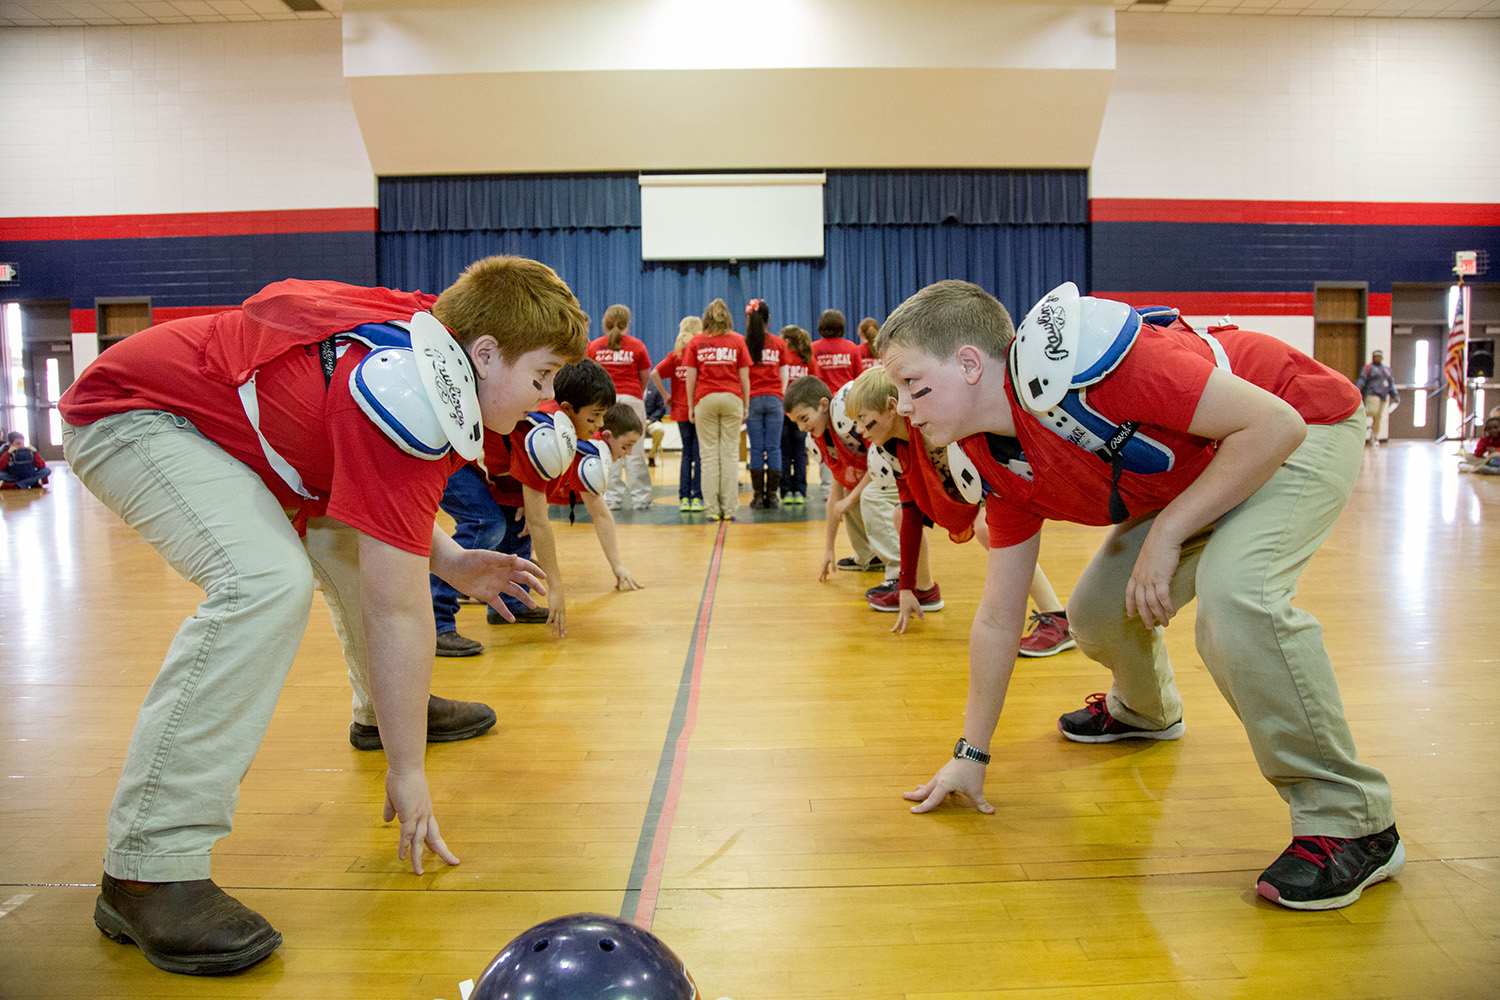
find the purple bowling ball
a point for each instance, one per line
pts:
(585, 956)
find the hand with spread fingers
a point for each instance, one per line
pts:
(957, 777)
(407, 797)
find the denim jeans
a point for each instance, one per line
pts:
(690, 475)
(763, 424)
(481, 523)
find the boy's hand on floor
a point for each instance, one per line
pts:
(957, 777)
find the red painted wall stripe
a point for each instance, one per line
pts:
(134, 227)
(1347, 213)
(1238, 303)
(86, 320)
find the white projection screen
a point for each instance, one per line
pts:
(731, 216)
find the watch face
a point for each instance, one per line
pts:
(958, 748)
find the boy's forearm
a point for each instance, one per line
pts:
(995, 636)
(543, 542)
(396, 610)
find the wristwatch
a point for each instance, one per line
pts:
(962, 750)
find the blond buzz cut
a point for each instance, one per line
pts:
(522, 303)
(945, 316)
(872, 389)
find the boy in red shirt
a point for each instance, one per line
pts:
(21, 468)
(1223, 462)
(204, 434)
(930, 494)
(628, 363)
(868, 516)
(1486, 456)
(579, 388)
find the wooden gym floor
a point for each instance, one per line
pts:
(760, 830)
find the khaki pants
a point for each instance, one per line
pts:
(718, 416)
(217, 524)
(871, 526)
(1375, 407)
(1266, 656)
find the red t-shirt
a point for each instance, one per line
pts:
(1483, 445)
(523, 473)
(835, 358)
(864, 358)
(928, 484)
(765, 378)
(718, 358)
(797, 368)
(626, 364)
(367, 482)
(1158, 383)
(672, 367)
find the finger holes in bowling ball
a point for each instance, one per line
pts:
(605, 944)
(539, 946)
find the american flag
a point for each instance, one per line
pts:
(1458, 339)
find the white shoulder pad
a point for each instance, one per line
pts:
(1068, 341)
(593, 467)
(842, 423)
(388, 387)
(550, 444)
(890, 459)
(965, 475)
(448, 379)
(882, 473)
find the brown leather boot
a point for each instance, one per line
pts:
(447, 721)
(194, 928)
(773, 489)
(758, 486)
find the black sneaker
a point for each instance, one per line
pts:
(875, 565)
(1093, 724)
(1325, 873)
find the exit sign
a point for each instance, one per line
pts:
(9, 272)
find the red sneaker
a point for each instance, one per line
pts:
(930, 599)
(1050, 635)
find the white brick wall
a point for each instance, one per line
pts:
(1302, 109)
(180, 118)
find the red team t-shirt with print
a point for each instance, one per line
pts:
(834, 357)
(718, 358)
(765, 378)
(367, 482)
(797, 368)
(626, 364)
(1158, 383)
(674, 368)
(864, 359)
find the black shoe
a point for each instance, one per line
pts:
(194, 928)
(873, 566)
(453, 644)
(524, 616)
(1325, 873)
(447, 721)
(1093, 724)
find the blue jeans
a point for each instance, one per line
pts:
(763, 423)
(690, 475)
(793, 459)
(26, 480)
(481, 524)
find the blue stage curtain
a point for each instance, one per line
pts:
(868, 270)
